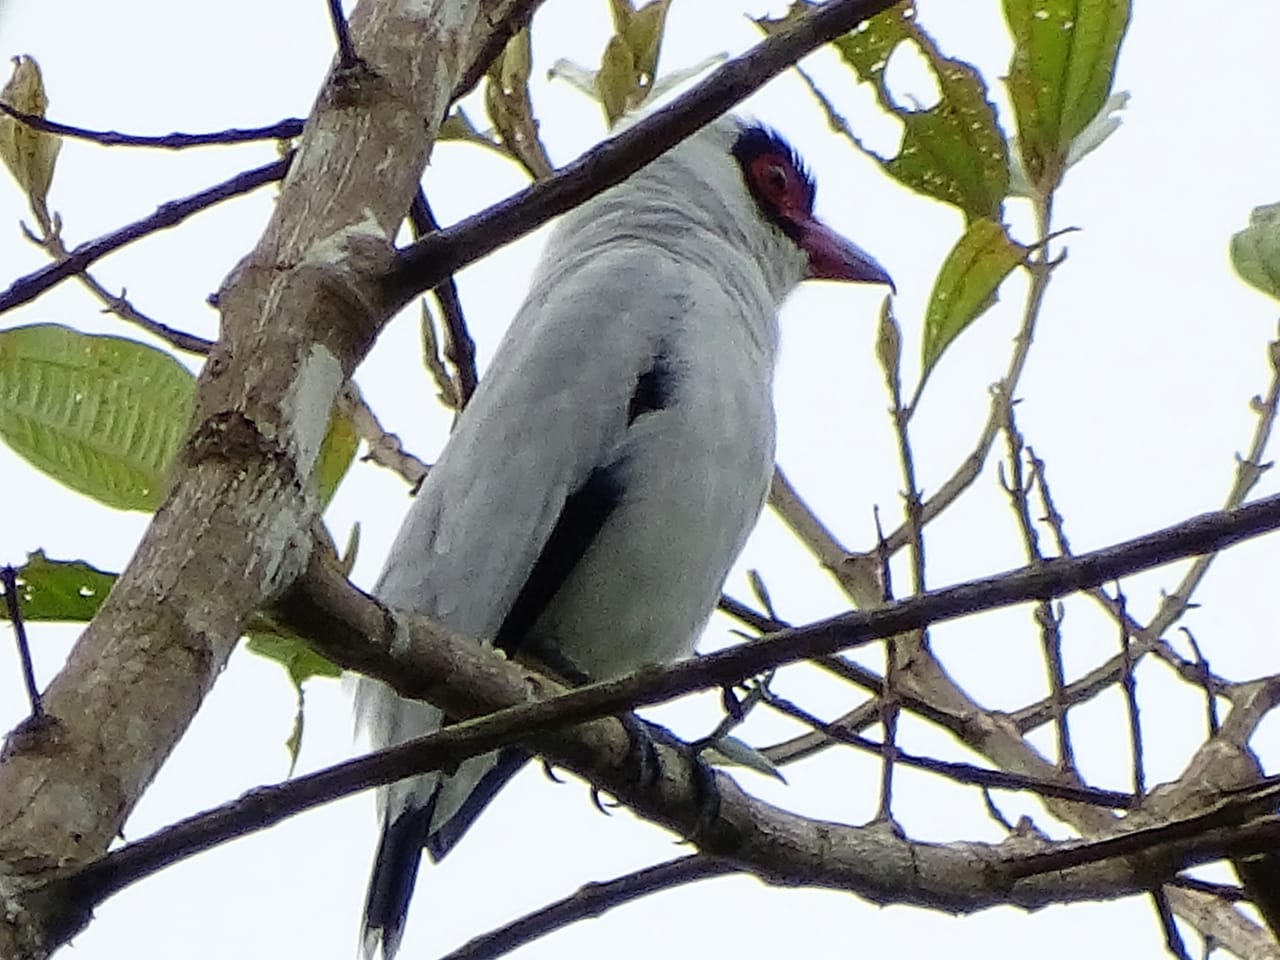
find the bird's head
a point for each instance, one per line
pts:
(783, 192)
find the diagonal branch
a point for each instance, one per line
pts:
(25, 289)
(424, 264)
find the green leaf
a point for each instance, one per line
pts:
(954, 151)
(336, 454)
(966, 285)
(644, 36)
(616, 79)
(457, 127)
(60, 590)
(297, 656)
(301, 663)
(1064, 59)
(506, 100)
(1255, 250)
(103, 415)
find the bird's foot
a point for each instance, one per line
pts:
(642, 750)
(706, 790)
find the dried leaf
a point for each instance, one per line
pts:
(29, 154)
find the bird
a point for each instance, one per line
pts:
(595, 491)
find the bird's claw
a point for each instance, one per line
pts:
(706, 791)
(642, 751)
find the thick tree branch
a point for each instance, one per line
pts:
(1179, 829)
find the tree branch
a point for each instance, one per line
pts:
(422, 265)
(25, 289)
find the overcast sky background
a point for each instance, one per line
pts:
(1136, 394)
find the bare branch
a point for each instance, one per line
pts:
(591, 900)
(280, 130)
(25, 289)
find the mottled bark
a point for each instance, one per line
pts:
(297, 316)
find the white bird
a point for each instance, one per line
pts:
(606, 474)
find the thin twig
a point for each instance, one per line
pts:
(963, 773)
(459, 347)
(25, 289)
(119, 305)
(1018, 487)
(591, 900)
(1211, 702)
(1172, 938)
(1249, 471)
(280, 130)
(9, 580)
(347, 56)
(1129, 686)
(384, 448)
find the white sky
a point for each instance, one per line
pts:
(1137, 392)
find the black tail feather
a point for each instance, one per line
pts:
(395, 871)
(395, 865)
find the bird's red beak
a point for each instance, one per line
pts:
(832, 257)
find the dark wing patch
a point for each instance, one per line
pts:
(585, 512)
(654, 389)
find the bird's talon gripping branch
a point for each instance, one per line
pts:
(642, 751)
(706, 793)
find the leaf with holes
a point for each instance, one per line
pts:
(1255, 250)
(644, 36)
(506, 100)
(1064, 58)
(966, 285)
(103, 415)
(953, 151)
(66, 591)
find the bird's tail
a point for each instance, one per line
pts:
(436, 824)
(395, 871)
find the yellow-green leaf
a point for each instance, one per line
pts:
(1255, 250)
(103, 415)
(644, 36)
(336, 454)
(966, 285)
(29, 154)
(1064, 58)
(506, 99)
(457, 126)
(616, 79)
(302, 663)
(953, 151)
(60, 590)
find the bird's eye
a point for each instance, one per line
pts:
(775, 179)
